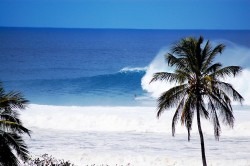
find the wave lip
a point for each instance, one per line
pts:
(133, 69)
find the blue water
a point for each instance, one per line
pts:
(101, 67)
(83, 66)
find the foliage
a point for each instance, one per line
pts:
(12, 145)
(200, 87)
(46, 160)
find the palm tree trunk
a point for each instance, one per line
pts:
(201, 138)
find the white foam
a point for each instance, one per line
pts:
(158, 160)
(133, 69)
(141, 119)
(157, 65)
(130, 135)
(118, 119)
(138, 149)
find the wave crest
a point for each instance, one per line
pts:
(133, 69)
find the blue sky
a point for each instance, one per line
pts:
(139, 14)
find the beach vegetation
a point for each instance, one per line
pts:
(12, 145)
(47, 160)
(200, 88)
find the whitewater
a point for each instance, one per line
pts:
(132, 135)
(122, 135)
(91, 101)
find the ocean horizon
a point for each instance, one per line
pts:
(91, 101)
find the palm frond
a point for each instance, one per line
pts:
(9, 120)
(225, 110)
(211, 55)
(7, 157)
(179, 63)
(198, 52)
(227, 71)
(213, 68)
(17, 143)
(13, 127)
(181, 48)
(183, 75)
(228, 88)
(11, 115)
(171, 98)
(177, 115)
(188, 113)
(170, 77)
(13, 100)
(203, 112)
(206, 51)
(215, 120)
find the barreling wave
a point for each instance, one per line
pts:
(117, 119)
(110, 89)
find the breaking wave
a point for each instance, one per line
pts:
(233, 55)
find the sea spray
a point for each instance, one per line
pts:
(157, 65)
(237, 55)
(233, 55)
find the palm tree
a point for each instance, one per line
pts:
(12, 145)
(200, 87)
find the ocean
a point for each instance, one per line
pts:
(91, 101)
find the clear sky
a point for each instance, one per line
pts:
(139, 14)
